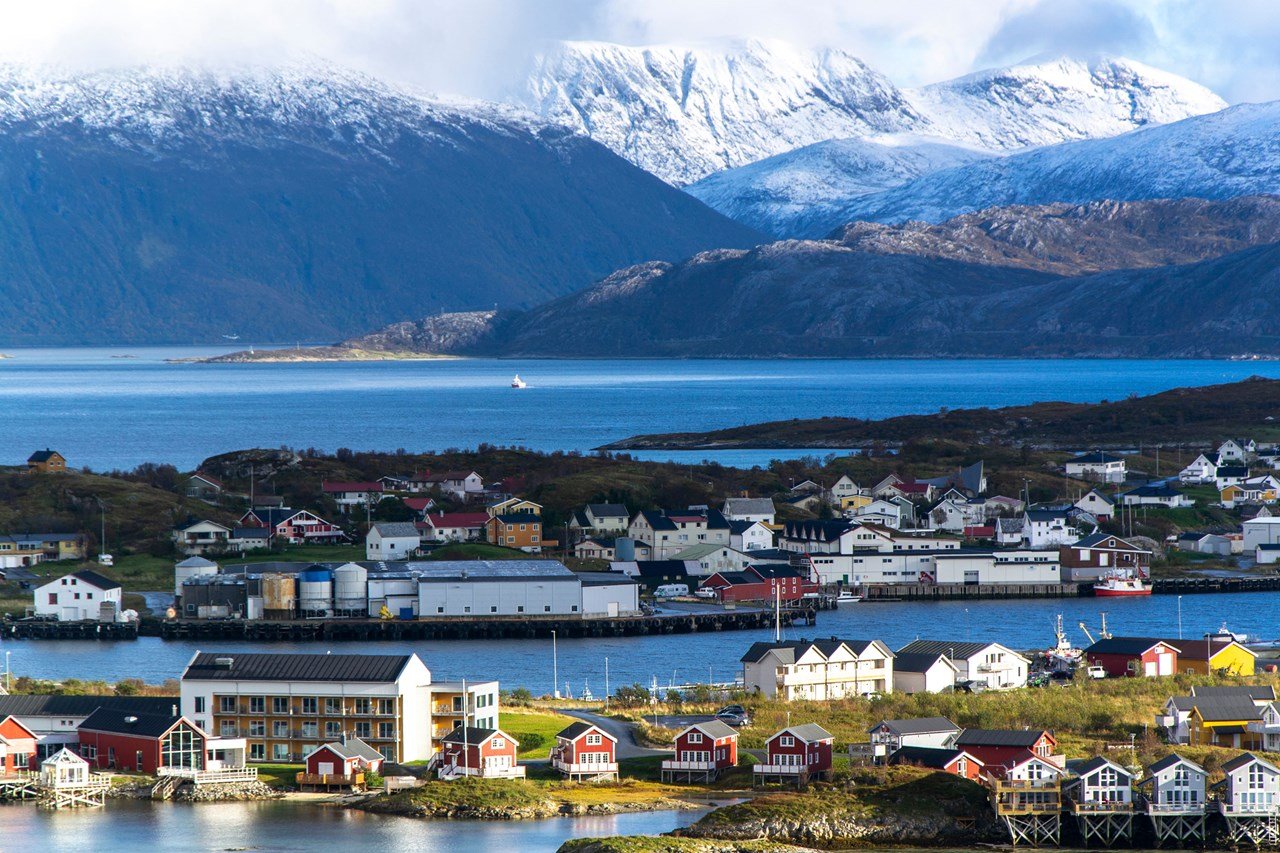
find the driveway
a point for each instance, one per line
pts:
(622, 730)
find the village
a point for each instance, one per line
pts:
(1186, 762)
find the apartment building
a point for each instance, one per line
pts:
(286, 705)
(818, 670)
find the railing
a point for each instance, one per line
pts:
(1018, 806)
(671, 764)
(453, 771)
(93, 782)
(780, 769)
(206, 777)
(329, 779)
(566, 767)
(1024, 784)
(1177, 808)
(1249, 809)
(1102, 806)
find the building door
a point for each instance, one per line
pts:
(137, 760)
(1166, 663)
(1149, 667)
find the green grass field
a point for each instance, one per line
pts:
(542, 726)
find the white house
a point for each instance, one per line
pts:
(1033, 770)
(1099, 466)
(1266, 554)
(1261, 531)
(1232, 451)
(457, 484)
(818, 670)
(1097, 504)
(348, 495)
(949, 514)
(888, 736)
(1100, 780)
(1176, 784)
(991, 665)
(749, 536)
(1175, 718)
(844, 489)
(1252, 786)
(199, 537)
(1165, 496)
(878, 511)
(1010, 531)
(714, 558)
(1201, 470)
(1044, 528)
(1268, 727)
(78, 597)
(391, 540)
(601, 519)
(749, 509)
(1229, 475)
(923, 673)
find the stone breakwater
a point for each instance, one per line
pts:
(227, 792)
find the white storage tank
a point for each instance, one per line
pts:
(315, 592)
(351, 590)
(190, 568)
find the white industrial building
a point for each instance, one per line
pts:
(78, 597)
(391, 540)
(1261, 531)
(497, 588)
(609, 594)
(1017, 566)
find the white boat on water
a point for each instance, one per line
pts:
(517, 382)
(846, 596)
(1226, 633)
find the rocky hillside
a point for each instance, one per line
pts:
(304, 203)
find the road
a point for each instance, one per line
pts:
(622, 730)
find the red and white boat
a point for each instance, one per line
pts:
(1116, 584)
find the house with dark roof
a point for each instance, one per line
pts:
(607, 548)
(1099, 783)
(295, 526)
(79, 597)
(204, 487)
(989, 665)
(585, 752)
(749, 509)
(339, 764)
(201, 536)
(888, 736)
(795, 755)
(1251, 787)
(703, 751)
(1220, 654)
(348, 495)
(818, 670)
(46, 462)
(54, 719)
(925, 672)
(1175, 783)
(670, 531)
(383, 699)
(1095, 555)
(479, 753)
(954, 761)
(111, 739)
(600, 519)
(1006, 748)
(1156, 495)
(1098, 466)
(1126, 657)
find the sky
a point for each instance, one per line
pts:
(480, 48)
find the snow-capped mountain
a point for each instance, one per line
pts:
(1057, 100)
(308, 202)
(801, 193)
(684, 113)
(1229, 153)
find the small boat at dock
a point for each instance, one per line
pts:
(1118, 584)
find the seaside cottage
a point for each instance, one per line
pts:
(703, 752)
(1251, 786)
(796, 755)
(18, 747)
(340, 764)
(585, 752)
(888, 736)
(1126, 657)
(1005, 747)
(954, 761)
(142, 743)
(480, 752)
(1101, 782)
(1176, 784)
(78, 597)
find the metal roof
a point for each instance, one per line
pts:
(576, 730)
(123, 722)
(1256, 692)
(920, 726)
(295, 667)
(926, 756)
(1126, 646)
(808, 732)
(492, 570)
(713, 729)
(999, 737)
(43, 705)
(917, 662)
(955, 651)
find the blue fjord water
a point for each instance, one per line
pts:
(117, 407)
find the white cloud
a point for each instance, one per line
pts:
(479, 47)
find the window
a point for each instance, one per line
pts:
(20, 760)
(227, 704)
(280, 704)
(364, 729)
(257, 752)
(182, 747)
(88, 752)
(280, 728)
(310, 730)
(546, 608)
(309, 704)
(333, 706)
(594, 740)
(364, 706)
(786, 740)
(199, 704)
(499, 743)
(53, 598)
(257, 728)
(695, 737)
(280, 752)
(386, 730)
(227, 728)
(333, 730)
(257, 705)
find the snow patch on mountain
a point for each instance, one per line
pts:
(800, 193)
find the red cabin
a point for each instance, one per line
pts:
(1125, 657)
(584, 751)
(142, 743)
(796, 754)
(17, 747)
(954, 761)
(761, 583)
(340, 764)
(487, 753)
(1000, 746)
(703, 752)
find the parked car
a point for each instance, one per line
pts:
(734, 715)
(705, 592)
(1096, 671)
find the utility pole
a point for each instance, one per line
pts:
(555, 669)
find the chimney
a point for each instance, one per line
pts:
(173, 710)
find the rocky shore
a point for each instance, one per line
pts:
(668, 844)
(406, 806)
(221, 792)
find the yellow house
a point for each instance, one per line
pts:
(1223, 721)
(513, 506)
(1253, 492)
(855, 501)
(1214, 655)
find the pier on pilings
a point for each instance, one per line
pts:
(1178, 825)
(1103, 824)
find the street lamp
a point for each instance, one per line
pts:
(1179, 617)
(555, 669)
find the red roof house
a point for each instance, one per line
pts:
(584, 751)
(142, 743)
(954, 761)
(1000, 746)
(17, 747)
(486, 753)
(339, 764)
(703, 752)
(797, 754)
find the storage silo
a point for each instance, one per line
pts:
(315, 591)
(279, 596)
(351, 590)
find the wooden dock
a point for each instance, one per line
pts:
(464, 628)
(36, 629)
(973, 592)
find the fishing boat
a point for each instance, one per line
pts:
(1225, 633)
(846, 596)
(1117, 584)
(517, 382)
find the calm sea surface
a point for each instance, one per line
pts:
(116, 407)
(687, 658)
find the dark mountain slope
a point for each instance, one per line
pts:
(300, 204)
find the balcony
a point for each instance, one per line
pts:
(1248, 809)
(587, 769)
(671, 764)
(452, 771)
(997, 666)
(1102, 807)
(1173, 809)
(1015, 785)
(780, 769)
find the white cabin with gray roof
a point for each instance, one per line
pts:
(392, 540)
(888, 736)
(1176, 785)
(1101, 781)
(991, 665)
(750, 509)
(1251, 786)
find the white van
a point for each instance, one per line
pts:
(671, 590)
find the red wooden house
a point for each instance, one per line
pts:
(293, 525)
(142, 743)
(761, 583)
(471, 751)
(340, 764)
(1001, 746)
(1125, 657)
(703, 752)
(584, 751)
(17, 747)
(797, 754)
(954, 761)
